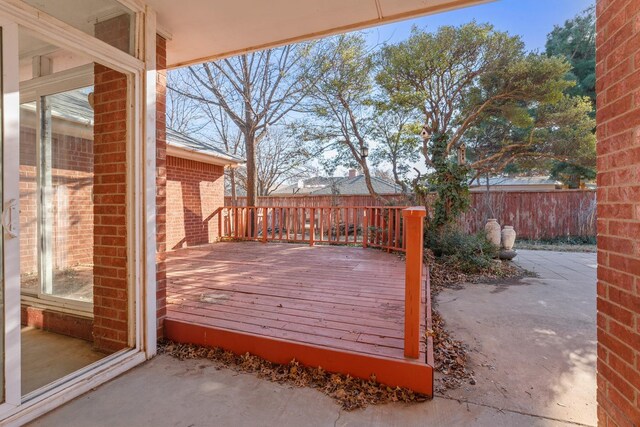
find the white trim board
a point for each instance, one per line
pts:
(185, 153)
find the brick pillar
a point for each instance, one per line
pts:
(618, 116)
(161, 182)
(110, 293)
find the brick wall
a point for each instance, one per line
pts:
(57, 322)
(116, 31)
(110, 292)
(618, 116)
(194, 191)
(161, 183)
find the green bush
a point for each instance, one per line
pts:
(470, 253)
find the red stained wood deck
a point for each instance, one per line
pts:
(338, 307)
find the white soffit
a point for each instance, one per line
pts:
(203, 30)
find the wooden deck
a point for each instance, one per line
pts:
(338, 307)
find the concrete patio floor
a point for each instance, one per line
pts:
(534, 359)
(533, 340)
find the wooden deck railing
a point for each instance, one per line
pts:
(395, 228)
(373, 226)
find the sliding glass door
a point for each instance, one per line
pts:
(72, 256)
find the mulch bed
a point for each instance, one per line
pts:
(351, 393)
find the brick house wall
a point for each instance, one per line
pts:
(194, 191)
(110, 290)
(618, 132)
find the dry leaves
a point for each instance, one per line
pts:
(444, 275)
(351, 393)
(450, 357)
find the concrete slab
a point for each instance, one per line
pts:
(534, 340)
(168, 392)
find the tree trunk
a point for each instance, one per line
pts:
(396, 177)
(367, 180)
(250, 138)
(251, 168)
(488, 198)
(234, 193)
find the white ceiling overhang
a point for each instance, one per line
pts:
(203, 30)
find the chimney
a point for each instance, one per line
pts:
(353, 173)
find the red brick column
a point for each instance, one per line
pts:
(161, 182)
(110, 292)
(618, 116)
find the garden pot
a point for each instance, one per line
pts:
(508, 237)
(492, 229)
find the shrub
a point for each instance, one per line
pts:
(470, 253)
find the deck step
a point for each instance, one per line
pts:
(413, 374)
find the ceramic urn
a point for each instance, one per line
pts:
(492, 229)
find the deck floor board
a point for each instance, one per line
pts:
(346, 298)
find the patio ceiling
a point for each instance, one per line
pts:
(202, 30)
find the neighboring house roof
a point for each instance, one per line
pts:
(318, 186)
(517, 181)
(183, 146)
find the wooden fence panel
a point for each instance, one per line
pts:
(533, 214)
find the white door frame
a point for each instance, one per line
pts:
(141, 200)
(11, 194)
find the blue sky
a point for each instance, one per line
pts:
(531, 19)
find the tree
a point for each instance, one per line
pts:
(183, 114)
(395, 131)
(224, 133)
(547, 134)
(456, 78)
(341, 103)
(576, 41)
(256, 91)
(280, 159)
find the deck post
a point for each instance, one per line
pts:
(414, 226)
(312, 232)
(265, 212)
(365, 227)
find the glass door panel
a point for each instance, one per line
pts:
(56, 196)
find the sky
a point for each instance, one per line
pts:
(531, 19)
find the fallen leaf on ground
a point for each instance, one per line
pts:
(351, 393)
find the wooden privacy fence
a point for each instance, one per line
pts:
(369, 226)
(533, 214)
